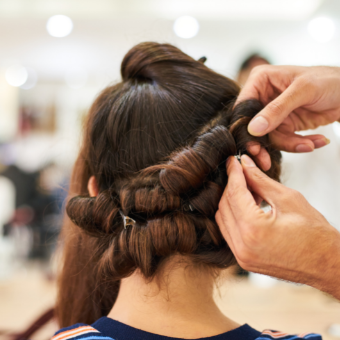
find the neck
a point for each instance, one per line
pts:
(178, 304)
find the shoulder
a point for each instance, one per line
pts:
(79, 331)
(269, 334)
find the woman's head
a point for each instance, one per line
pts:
(156, 144)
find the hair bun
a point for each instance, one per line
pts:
(142, 60)
(95, 215)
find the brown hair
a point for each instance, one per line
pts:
(157, 144)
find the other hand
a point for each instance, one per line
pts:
(296, 98)
(293, 241)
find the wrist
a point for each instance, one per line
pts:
(328, 276)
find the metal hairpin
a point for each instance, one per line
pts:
(127, 220)
(238, 157)
(202, 60)
(187, 207)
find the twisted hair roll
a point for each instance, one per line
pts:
(157, 144)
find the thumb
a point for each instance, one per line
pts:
(277, 110)
(259, 183)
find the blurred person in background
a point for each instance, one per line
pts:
(142, 250)
(255, 59)
(35, 223)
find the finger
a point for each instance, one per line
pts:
(276, 111)
(226, 223)
(318, 140)
(249, 91)
(260, 183)
(291, 142)
(254, 85)
(263, 160)
(253, 148)
(261, 155)
(241, 201)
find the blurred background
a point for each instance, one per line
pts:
(55, 56)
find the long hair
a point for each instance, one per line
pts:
(157, 144)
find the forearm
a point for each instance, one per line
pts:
(328, 277)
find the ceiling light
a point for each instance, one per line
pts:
(16, 75)
(31, 81)
(321, 29)
(186, 27)
(59, 26)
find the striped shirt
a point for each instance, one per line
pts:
(109, 329)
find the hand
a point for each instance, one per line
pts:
(293, 241)
(296, 98)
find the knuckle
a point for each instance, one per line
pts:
(230, 193)
(276, 108)
(260, 69)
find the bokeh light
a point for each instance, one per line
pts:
(59, 26)
(32, 79)
(16, 75)
(321, 29)
(186, 27)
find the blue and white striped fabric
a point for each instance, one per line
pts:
(82, 331)
(79, 331)
(269, 334)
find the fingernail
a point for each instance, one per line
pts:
(303, 148)
(258, 125)
(319, 143)
(247, 161)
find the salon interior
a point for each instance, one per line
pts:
(57, 55)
